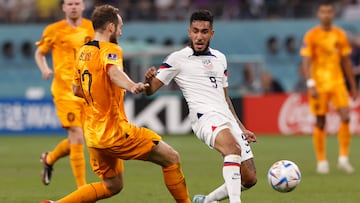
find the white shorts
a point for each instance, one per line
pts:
(210, 124)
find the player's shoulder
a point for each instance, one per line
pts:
(109, 47)
(338, 30)
(57, 25)
(86, 22)
(313, 30)
(181, 53)
(216, 53)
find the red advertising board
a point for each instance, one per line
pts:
(289, 114)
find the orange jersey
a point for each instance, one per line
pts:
(105, 118)
(325, 49)
(64, 41)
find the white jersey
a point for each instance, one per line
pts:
(201, 78)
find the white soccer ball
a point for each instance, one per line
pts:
(284, 176)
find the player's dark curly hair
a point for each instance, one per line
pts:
(203, 15)
(325, 3)
(103, 15)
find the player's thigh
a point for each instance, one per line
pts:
(104, 164)
(164, 155)
(225, 141)
(340, 100)
(209, 126)
(138, 144)
(319, 105)
(69, 112)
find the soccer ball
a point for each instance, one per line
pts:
(284, 176)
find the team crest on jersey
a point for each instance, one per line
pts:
(112, 57)
(207, 63)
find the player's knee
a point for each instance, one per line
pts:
(173, 157)
(249, 181)
(233, 148)
(76, 135)
(114, 186)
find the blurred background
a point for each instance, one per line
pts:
(261, 39)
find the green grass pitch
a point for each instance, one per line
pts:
(20, 172)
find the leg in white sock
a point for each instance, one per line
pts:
(219, 193)
(232, 177)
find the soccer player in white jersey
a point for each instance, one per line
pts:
(201, 74)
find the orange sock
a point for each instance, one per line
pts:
(344, 138)
(62, 149)
(77, 162)
(319, 140)
(175, 182)
(88, 193)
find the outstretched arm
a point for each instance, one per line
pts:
(250, 136)
(122, 80)
(154, 83)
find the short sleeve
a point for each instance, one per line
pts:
(345, 47)
(306, 45)
(168, 69)
(47, 40)
(112, 56)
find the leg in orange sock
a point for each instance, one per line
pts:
(88, 193)
(344, 138)
(319, 140)
(77, 162)
(175, 182)
(61, 150)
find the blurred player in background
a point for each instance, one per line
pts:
(201, 74)
(64, 38)
(110, 138)
(325, 54)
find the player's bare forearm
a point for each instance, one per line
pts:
(41, 63)
(348, 71)
(154, 83)
(250, 136)
(306, 65)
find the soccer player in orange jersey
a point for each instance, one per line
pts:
(110, 138)
(64, 38)
(325, 54)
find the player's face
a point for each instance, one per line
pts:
(200, 34)
(118, 31)
(73, 9)
(326, 14)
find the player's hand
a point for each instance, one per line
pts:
(353, 93)
(249, 136)
(139, 87)
(150, 74)
(46, 75)
(313, 92)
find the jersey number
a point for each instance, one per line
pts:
(86, 81)
(213, 80)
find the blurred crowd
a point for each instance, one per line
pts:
(37, 11)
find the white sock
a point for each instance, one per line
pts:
(218, 194)
(343, 159)
(232, 177)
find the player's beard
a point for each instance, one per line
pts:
(203, 52)
(113, 38)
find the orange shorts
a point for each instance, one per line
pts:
(339, 98)
(135, 145)
(70, 112)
